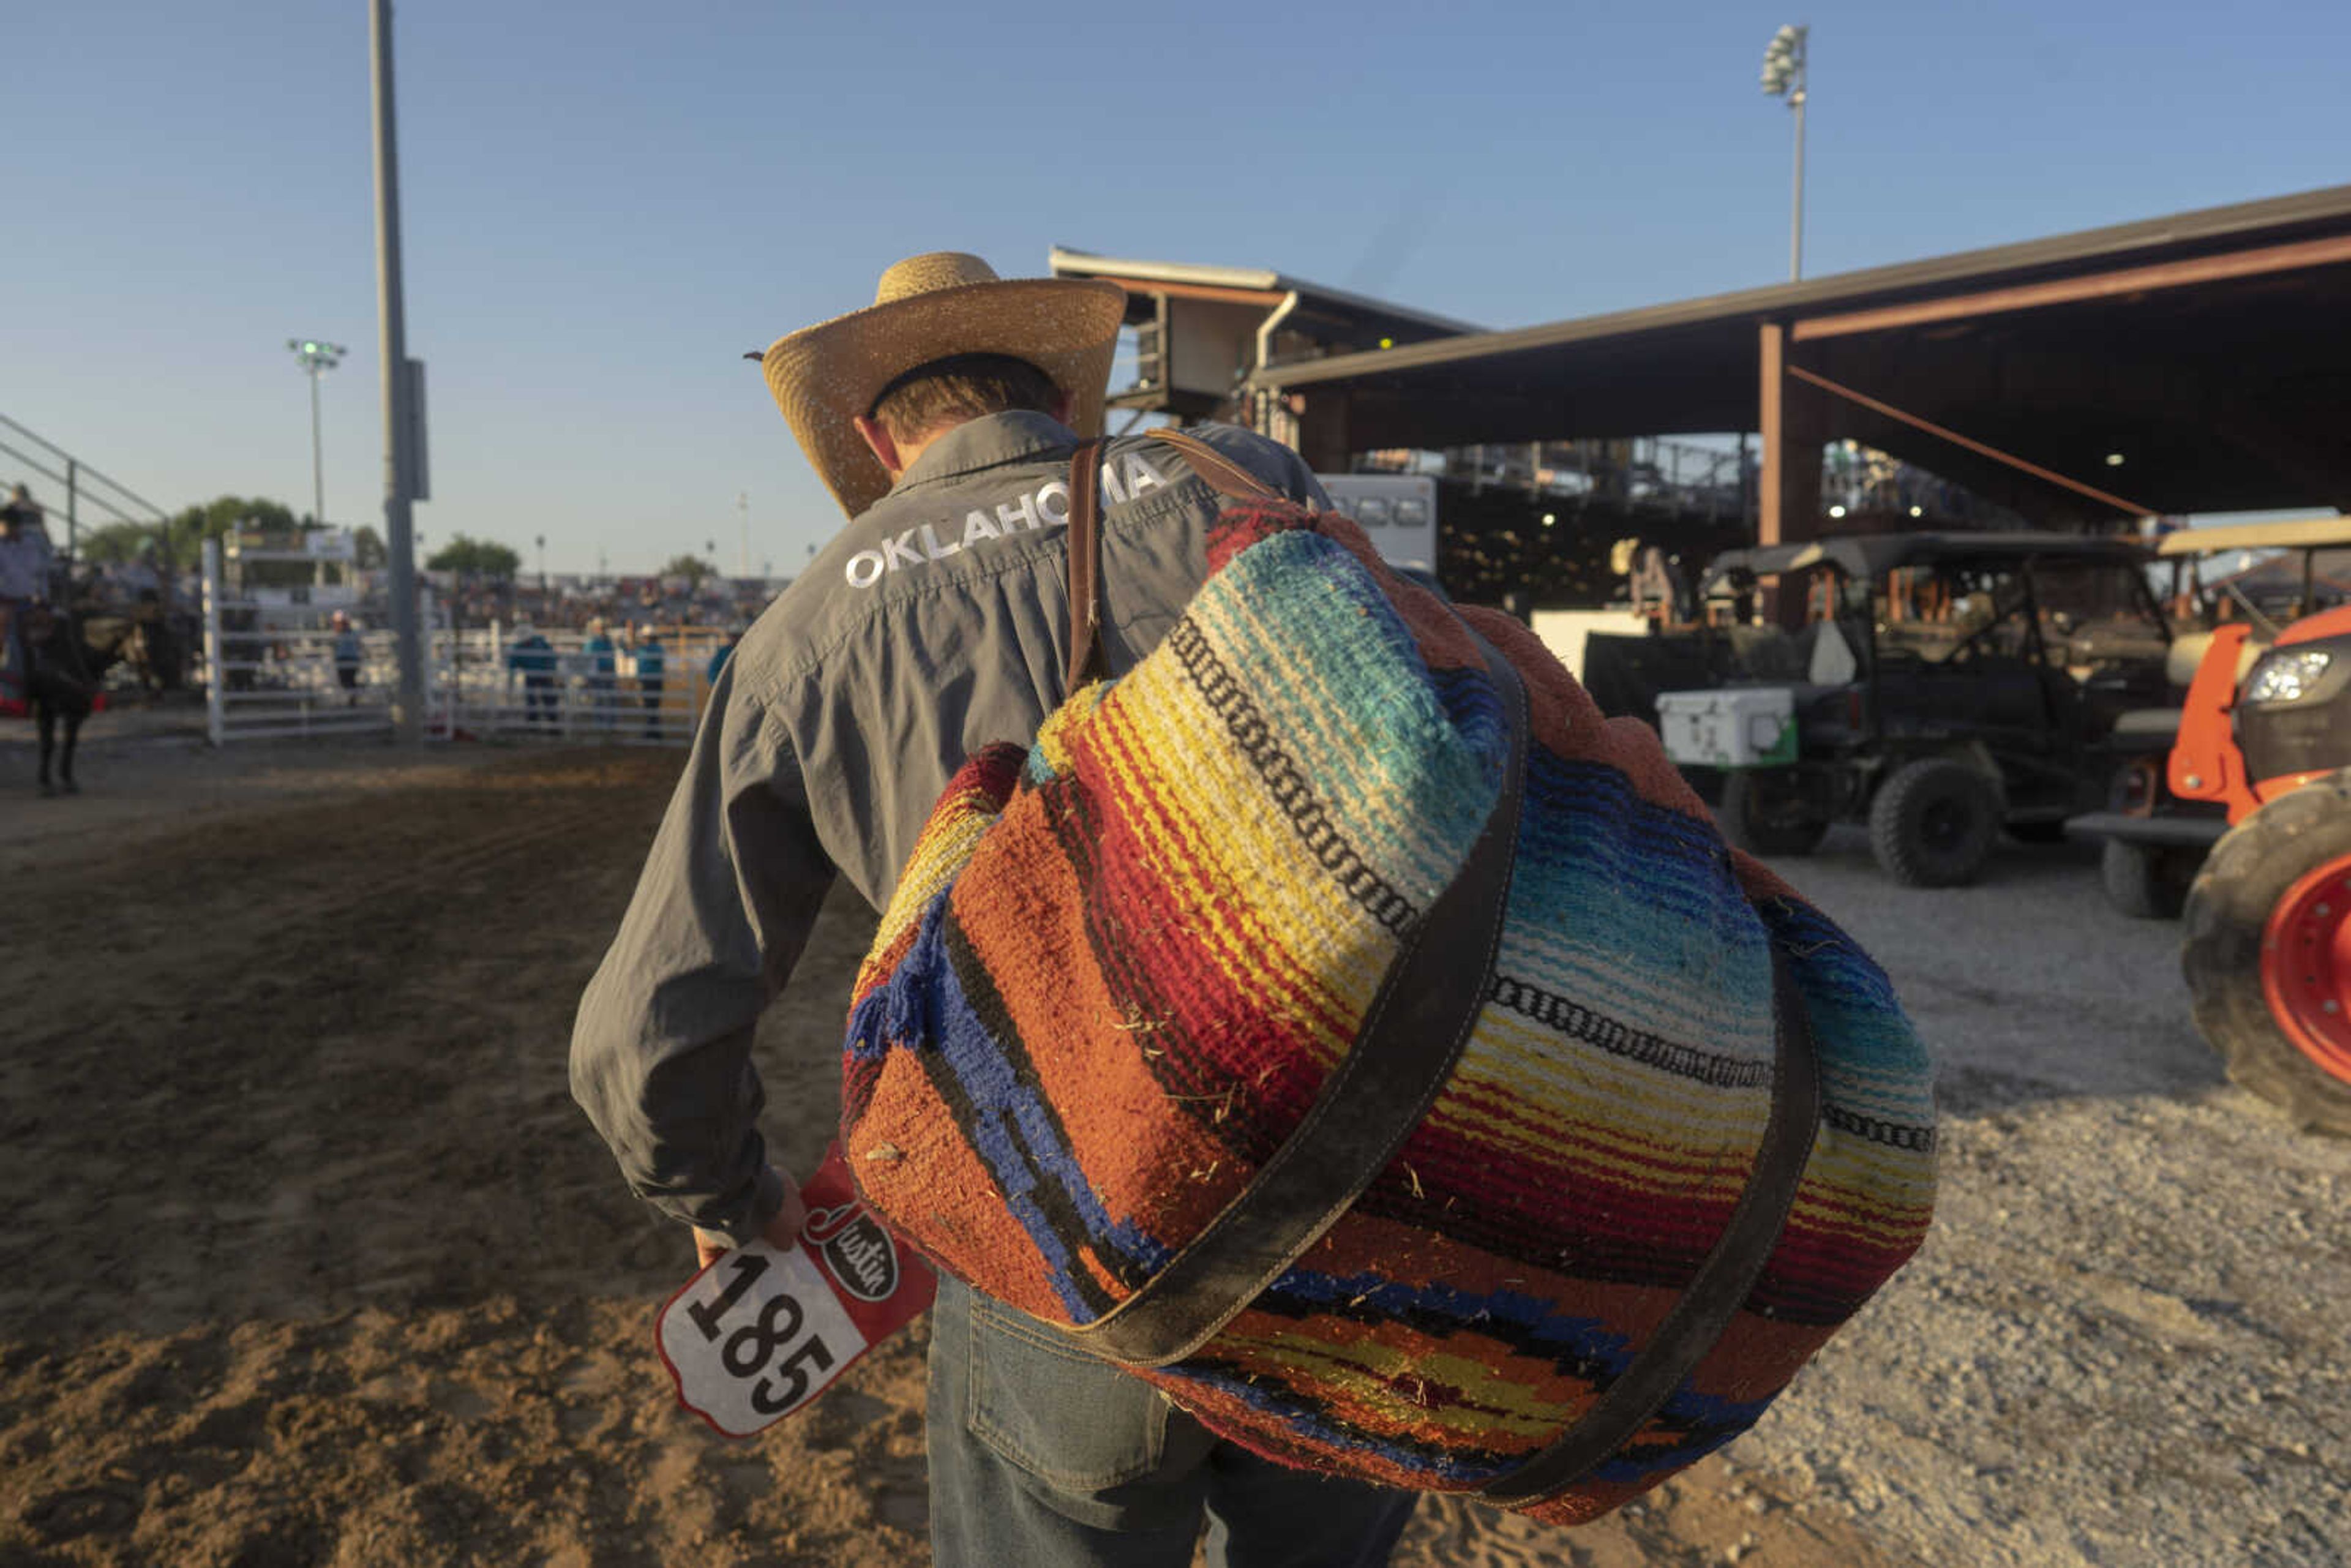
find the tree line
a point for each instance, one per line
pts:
(178, 542)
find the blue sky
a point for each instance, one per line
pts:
(605, 204)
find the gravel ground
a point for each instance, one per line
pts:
(2125, 1342)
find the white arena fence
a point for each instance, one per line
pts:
(269, 669)
(606, 698)
(269, 672)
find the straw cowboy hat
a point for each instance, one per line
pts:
(930, 307)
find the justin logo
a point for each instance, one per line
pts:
(857, 1251)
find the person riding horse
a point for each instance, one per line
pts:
(25, 571)
(62, 681)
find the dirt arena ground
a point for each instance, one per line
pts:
(305, 1256)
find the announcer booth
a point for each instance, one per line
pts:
(1196, 335)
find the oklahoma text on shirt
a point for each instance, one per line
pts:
(1123, 478)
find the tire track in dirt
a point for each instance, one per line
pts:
(190, 942)
(315, 1002)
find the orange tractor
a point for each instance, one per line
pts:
(2261, 773)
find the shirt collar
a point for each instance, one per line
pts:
(987, 442)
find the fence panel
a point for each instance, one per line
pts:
(275, 669)
(272, 670)
(563, 692)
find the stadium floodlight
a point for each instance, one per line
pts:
(1782, 58)
(316, 359)
(1785, 76)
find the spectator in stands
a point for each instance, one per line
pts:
(600, 666)
(651, 667)
(718, 659)
(348, 656)
(534, 656)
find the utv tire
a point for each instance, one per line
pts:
(1933, 823)
(1762, 815)
(2146, 882)
(2262, 956)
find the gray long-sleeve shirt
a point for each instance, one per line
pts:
(933, 625)
(26, 561)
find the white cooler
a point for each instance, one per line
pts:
(1736, 727)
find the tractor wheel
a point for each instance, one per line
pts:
(2146, 882)
(2268, 954)
(1764, 812)
(1933, 823)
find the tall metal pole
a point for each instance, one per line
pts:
(318, 457)
(1796, 220)
(1784, 75)
(408, 701)
(317, 358)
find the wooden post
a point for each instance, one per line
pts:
(1792, 426)
(1793, 422)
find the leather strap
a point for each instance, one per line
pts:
(1410, 1040)
(1723, 1280)
(1086, 661)
(1223, 474)
(1084, 568)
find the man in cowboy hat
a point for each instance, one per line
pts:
(945, 420)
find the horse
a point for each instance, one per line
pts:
(133, 639)
(64, 671)
(149, 640)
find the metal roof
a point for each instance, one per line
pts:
(2298, 533)
(2218, 364)
(2157, 238)
(1874, 555)
(1068, 263)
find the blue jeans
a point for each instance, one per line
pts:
(1044, 1457)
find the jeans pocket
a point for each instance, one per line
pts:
(1068, 1418)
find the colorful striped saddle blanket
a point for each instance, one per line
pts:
(1123, 966)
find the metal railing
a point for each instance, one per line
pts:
(566, 692)
(274, 669)
(82, 484)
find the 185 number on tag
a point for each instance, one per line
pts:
(747, 1351)
(756, 1336)
(764, 1330)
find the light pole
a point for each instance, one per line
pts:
(317, 359)
(542, 563)
(1784, 77)
(401, 427)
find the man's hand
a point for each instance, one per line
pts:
(782, 1231)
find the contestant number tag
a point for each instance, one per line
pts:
(756, 1335)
